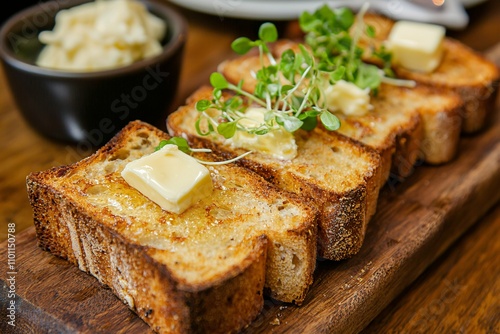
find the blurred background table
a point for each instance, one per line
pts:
(458, 293)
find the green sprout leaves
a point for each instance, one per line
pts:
(333, 35)
(291, 88)
(330, 121)
(288, 88)
(325, 20)
(267, 34)
(242, 45)
(368, 76)
(180, 142)
(218, 81)
(290, 123)
(227, 129)
(183, 146)
(202, 105)
(370, 31)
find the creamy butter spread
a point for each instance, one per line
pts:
(278, 142)
(347, 98)
(416, 46)
(170, 178)
(101, 35)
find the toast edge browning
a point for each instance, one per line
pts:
(64, 229)
(331, 245)
(342, 222)
(478, 99)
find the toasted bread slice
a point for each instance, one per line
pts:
(462, 70)
(414, 123)
(402, 127)
(202, 270)
(337, 175)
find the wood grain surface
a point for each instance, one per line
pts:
(440, 300)
(417, 220)
(424, 221)
(53, 296)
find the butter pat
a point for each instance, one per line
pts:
(170, 178)
(278, 143)
(347, 98)
(100, 35)
(417, 46)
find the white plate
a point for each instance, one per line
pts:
(452, 14)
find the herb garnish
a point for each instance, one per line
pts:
(183, 146)
(334, 36)
(291, 88)
(291, 103)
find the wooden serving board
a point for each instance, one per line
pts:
(416, 221)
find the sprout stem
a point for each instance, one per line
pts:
(214, 163)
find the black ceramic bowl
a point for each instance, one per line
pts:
(88, 107)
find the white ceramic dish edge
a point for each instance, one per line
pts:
(452, 15)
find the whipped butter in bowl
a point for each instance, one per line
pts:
(100, 35)
(80, 70)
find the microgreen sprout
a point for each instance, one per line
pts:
(183, 146)
(180, 142)
(288, 88)
(334, 35)
(291, 88)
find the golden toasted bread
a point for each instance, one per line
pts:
(404, 125)
(335, 174)
(202, 270)
(462, 70)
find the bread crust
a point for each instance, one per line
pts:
(401, 127)
(462, 70)
(70, 225)
(343, 207)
